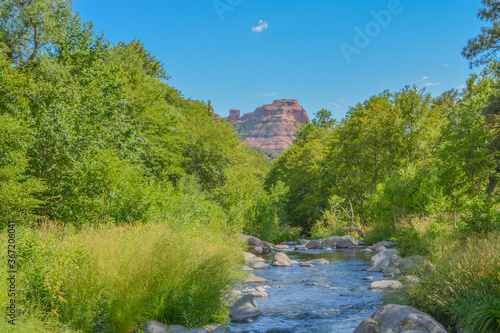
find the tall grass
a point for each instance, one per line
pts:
(463, 285)
(116, 278)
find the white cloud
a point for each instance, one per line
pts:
(336, 105)
(430, 84)
(342, 100)
(445, 65)
(262, 25)
(425, 78)
(270, 94)
(462, 86)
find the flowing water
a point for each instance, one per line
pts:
(337, 304)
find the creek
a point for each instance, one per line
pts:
(332, 298)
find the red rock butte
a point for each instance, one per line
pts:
(272, 126)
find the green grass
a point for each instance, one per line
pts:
(463, 285)
(117, 278)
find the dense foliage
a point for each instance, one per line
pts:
(95, 140)
(143, 186)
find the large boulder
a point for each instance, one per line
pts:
(331, 242)
(380, 261)
(245, 310)
(281, 259)
(314, 244)
(347, 242)
(397, 318)
(410, 265)
(232, 296)
(254, 242)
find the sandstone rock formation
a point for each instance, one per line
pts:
(272, 126)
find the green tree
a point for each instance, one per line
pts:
(484, 47)
(29, 29)
(17, 188)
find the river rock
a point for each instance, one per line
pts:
(254, 279)
(280, 259)
(398, 265)
(246, 268)
(303, 241)
(196, 330)
(248, 255)
(386, 244)
(378, 247)
(245, 310)
(367, 250)
(386, 284)
(397, 318)
(260, 265)
(288, 243)
(314, 244)
(318, 262)
(278, 330)
(347, 242)
(221, 329)
(153, 326)
(412, 279)
(392, 271)
(254, 260)
(301, 248)
(331, 241)
(280, 248)
(253, 241)
(380, 261)
(232, 296)
(256, 292)
(258, 250)
(294, 262)
(305, 264)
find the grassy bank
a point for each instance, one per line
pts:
(117, 278)
(462, 286)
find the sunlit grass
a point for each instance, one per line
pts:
(117, 278)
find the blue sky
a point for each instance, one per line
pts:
(297, 48)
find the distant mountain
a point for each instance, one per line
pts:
(270, 127)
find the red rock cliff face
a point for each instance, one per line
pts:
(271, 126)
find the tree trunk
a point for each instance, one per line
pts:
(493, 182)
